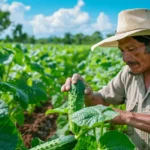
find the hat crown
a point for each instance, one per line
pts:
(133, 19)
(131, 22)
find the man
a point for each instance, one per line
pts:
(132, 84)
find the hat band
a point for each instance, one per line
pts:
(132, 30)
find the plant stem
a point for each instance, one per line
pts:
(7, 74)
(101, 134)
(94, 131)
(81, 133)
(101, 129)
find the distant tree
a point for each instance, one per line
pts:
(56, 40)
(96, 37)
(109, 35)
(18, 35)
(78, 38)
(68, 38)
(42, 40)
(31, 40)
(8, 39)
(87, 39)
(4, 20)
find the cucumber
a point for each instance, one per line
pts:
(75, 103)
(62, 143)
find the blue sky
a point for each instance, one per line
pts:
(43, 18)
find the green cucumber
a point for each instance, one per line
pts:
(75, 103)
(62, 143)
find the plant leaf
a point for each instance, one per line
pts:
(114, 140)
(19, 95)
(8, 132)
(8, 136)
(57, 110)
(93, 116)
(86, 143)
(3, 112)
(36, 141)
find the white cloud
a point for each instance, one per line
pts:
(64, 20)
(16, 9)
(17, 13)
(72, 20)
(103, 23)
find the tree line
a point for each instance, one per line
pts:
(17, 34)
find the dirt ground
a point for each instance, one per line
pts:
(38, 125)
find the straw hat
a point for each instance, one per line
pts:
(132, 22)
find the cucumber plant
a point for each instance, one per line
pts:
(84, 122)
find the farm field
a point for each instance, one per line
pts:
(31, 78)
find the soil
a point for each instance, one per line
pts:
(38, 125)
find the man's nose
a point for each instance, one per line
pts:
(126, 56)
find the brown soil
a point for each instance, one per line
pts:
(38, 125)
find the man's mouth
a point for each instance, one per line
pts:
(133, 64)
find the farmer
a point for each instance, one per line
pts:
(132, 84)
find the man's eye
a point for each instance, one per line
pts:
(131, 50)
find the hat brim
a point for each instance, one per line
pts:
(113, 41)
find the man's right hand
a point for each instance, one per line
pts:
(66, 87)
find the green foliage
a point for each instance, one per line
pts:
(114, 140)
(32, 74)
(3, 112)
(93, 116)
(82, 120)
(36, 141)
(97, 116)
(86, 143)
(8, 133)
(4, 20)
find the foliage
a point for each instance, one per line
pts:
(4, 20)
(8, 131)
(32, 74)
(86, 119)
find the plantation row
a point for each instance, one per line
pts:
(33, 74)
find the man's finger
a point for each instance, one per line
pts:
(88, 93)
(76, 77)
(66, 86)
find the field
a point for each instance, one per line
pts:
(31, 79)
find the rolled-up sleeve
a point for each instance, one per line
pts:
(114, 92)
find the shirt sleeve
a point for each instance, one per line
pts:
(114, 92)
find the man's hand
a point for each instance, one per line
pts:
(91, 98)
(137, 120)
(66, 87)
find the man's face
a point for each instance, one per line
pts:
(134, 55)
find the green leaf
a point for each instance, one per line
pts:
(19, 56)
(8, 132)
(36, 141)
(2, 71)
(114, 140)
(86, 143)
(36, 95)
(93, 116)
(57, 110)
(3, 112)
(6, 58)
(19, 95)
(18, 114)
(37, 67)
(8, 136)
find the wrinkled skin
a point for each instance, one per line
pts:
(134, 55)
